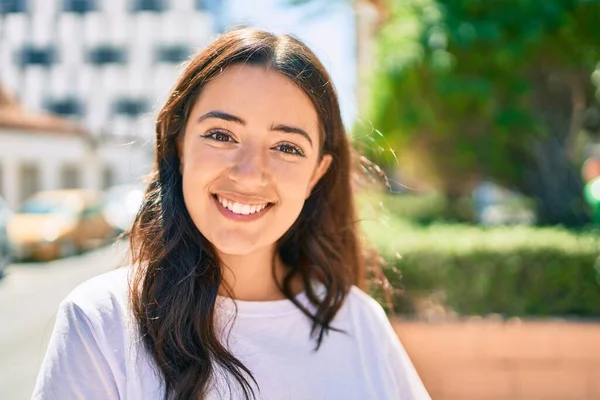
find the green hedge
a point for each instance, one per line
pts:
(423, 209)
(513, 271)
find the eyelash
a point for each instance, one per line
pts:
(213, 134)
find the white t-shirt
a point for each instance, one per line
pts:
(94, 353)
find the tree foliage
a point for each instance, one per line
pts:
(467, 89)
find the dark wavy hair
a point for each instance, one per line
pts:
(177, 272)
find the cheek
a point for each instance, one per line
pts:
(292, 181)
(203, 164)
(201, 168)
(206, 157)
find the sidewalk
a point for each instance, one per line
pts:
(496, 360)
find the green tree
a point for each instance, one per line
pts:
(466, 89)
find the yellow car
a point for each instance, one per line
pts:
(56, 224)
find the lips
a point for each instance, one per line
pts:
(241, 207)
(240, 211)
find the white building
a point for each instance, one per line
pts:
(104, 63)
(43, 152)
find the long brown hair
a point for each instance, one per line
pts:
(177, 273)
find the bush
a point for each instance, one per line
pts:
(421, 209)
(513, 271)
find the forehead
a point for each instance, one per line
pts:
(257, 94)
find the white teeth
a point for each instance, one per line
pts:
(239, 208)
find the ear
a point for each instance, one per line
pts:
(318, 173)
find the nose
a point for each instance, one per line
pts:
(249, 169)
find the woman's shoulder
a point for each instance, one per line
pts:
(366, 312)
(389, 360)
(102, 297)
(362, 302)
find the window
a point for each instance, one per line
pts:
(103, 55)
(2, 192)
(130, 106)
(173, 53)
(67, 107)
(30, 180)
(13, 6)
(79, 6)
(149, 5)
(208, 5)
(69, 177)
(31, 55)
(108, 177)
(216, 9)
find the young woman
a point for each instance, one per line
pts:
(247, 273)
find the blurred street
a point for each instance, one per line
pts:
(29, 296)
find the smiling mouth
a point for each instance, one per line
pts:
(241, 209)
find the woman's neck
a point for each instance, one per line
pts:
(251, 279)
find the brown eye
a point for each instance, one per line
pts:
(219, 136)
(290, 149)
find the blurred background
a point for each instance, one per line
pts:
(479, 189)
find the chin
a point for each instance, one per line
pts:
(235, 251)
(235, 244)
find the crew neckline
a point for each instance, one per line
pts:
(265, 308)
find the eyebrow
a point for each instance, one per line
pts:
(221, 115)
(232, 118)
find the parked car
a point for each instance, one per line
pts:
(5, 250)
(56, 224)
(121, 204)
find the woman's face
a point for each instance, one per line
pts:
(249, 158)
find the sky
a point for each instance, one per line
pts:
(328, 30)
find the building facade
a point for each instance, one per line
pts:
(39, 151)
(108, 64)
(31, 161)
